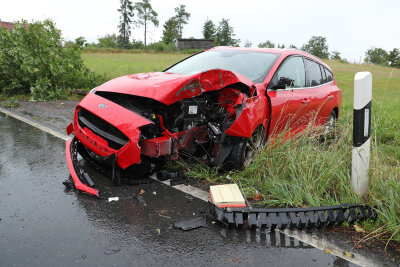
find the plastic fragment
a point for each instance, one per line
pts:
(191, 224)
(113, 199)
(112, 251)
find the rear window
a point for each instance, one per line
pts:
(313, 73)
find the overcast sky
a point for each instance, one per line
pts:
(351, 27)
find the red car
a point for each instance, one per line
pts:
(218, 105)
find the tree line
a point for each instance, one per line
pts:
(141, 14)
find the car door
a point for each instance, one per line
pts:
(285, 103)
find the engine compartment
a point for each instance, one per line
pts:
(185, 124)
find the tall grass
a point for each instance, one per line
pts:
(304, 171)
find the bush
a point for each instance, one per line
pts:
(162, 47)
(33, 60)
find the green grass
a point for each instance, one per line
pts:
(118, 64)
(304, 172)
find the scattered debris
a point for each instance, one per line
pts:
(292, 217)
(189, 197)
(165, 216)
(235, 260)
(179, 180)
(164, 175)
(141, 192)
(222, 231)
(112, 251)
(350, 255)
(192, 223)
(113, 199)
(154, 193)
(68, 184)
(176, 177)
(359, 229)
(158, 230)
(227, 195)
(141, 200)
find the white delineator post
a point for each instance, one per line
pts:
(361, 131)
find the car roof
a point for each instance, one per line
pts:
(283, 51)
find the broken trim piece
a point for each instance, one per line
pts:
(81, 179)
(282, 218)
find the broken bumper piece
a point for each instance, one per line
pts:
(300, 218)
(81, 179)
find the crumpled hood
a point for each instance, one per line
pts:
(169, 88)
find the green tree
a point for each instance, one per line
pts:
(336, 55)
(146, 14)
(181, 17)
(248, 43)
(317, 46)
(209, 29)
(292, 46)
(376, 56)
(108, 41)
(225, 34)
(281, 46)
(266, 44)
(393, 58)
(80, 41)
(171, 31)
(124, 27)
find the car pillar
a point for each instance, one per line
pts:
(361, 131)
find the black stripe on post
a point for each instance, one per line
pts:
(361, 131)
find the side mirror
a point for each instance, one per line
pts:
(283, 83)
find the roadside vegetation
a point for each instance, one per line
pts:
(33, 61)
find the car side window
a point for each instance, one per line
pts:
(329, 75)
(313, 73)
(324, 80)
(293, 68)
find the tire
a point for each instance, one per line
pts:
(243, 152)
(330, 127)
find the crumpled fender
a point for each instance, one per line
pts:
(248, 118)
(169, 88)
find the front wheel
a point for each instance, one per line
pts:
(243, 153)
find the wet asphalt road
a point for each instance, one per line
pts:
(42, 223)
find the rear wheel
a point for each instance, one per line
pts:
(330, 126)
(243, 153)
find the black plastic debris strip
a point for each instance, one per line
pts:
(282, 218)
(192, 223)
(176, 177)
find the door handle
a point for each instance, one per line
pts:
(305, 101)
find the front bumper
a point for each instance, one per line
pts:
(80, 178)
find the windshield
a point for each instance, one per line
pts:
(251, 64)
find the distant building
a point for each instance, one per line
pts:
(7, 25)
(183, 44)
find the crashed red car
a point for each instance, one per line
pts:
(218, 105)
